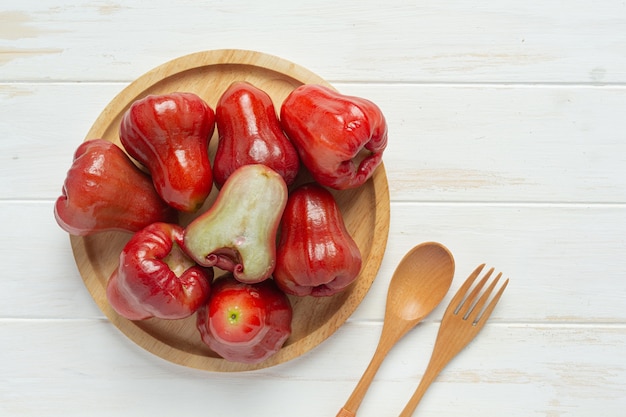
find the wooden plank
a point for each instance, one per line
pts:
(510, 369)
(447, 143)
(561, 258)
(501, 41)
(564, 253)
(503, 143)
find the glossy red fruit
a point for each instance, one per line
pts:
(250, 133)
(245, 323)
(339, 138)
(316, 255)
(105, 191)
(155, 278)
(169, 134)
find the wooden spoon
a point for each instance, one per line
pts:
(418, 285)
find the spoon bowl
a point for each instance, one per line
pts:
(419, 283)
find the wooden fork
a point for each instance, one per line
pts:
(465, 316)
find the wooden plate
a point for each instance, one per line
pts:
(365, 210)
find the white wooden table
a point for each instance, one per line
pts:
(507, 144)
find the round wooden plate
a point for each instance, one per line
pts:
(365, 211)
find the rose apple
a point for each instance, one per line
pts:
(105, 191)
(169, 134)
(315, 255)
(245, 323)
(250, 133)
(339, 138)
(238, 232)
(155, 278)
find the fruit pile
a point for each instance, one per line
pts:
(269, 236)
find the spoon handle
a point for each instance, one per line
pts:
(345, 413)
(391, 334)
(355, 399)
(433, 369)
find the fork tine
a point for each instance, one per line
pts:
(475, 310)
(470, 300)
(487, 312)
(457, 300)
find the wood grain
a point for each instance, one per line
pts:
(355, 40)
(365, 211)
(506, 143)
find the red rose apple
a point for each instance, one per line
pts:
(250, 133)
(169, 134)
(243, 322)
